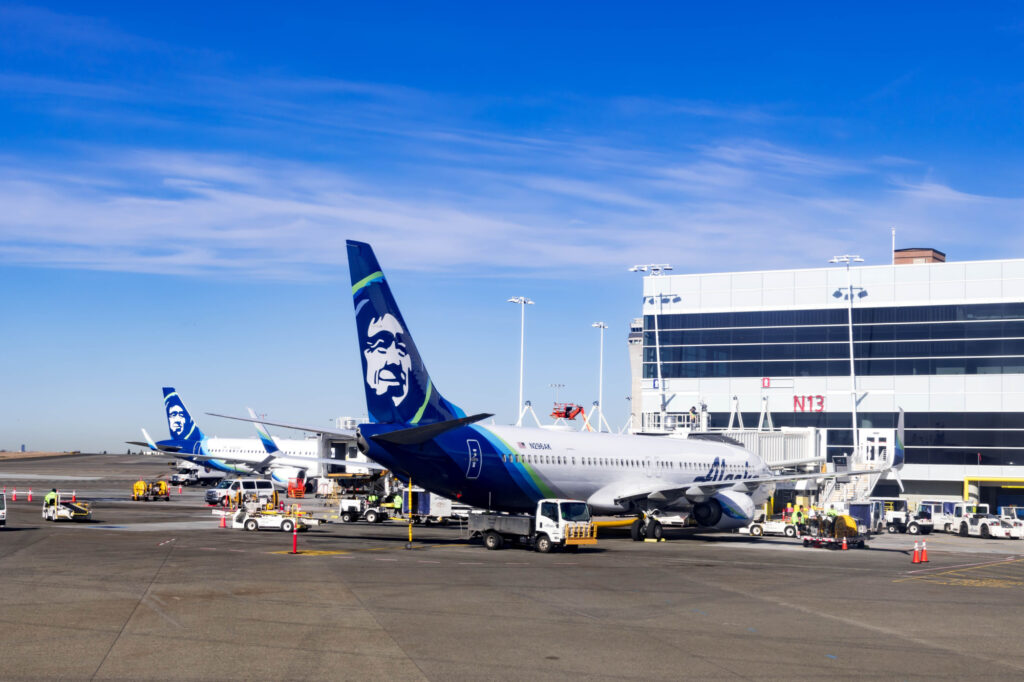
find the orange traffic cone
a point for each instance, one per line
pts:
(14, 495)
(917, 555)
(179, 488)
(30, 494)
(924, 552)
(224, 521)
(74, 496)
(844, 543)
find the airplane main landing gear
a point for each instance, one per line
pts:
(647, 527)
(638, 530)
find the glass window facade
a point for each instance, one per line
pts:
(961, 438)
(888, 341)
(909, 340)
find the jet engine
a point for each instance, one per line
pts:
(725, 510)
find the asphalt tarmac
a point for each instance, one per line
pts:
(155, 590)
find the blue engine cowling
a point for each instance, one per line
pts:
(725, 511)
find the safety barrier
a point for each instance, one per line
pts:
(580, 533)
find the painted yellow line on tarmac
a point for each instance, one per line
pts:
(313, 552)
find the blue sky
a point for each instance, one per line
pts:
(177, 184)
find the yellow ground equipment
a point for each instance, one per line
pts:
(148, 492)
(831, 531)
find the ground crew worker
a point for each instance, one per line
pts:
(51, 498)
(830, 518)
(800, 519)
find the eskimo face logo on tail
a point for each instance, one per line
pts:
(178, 420)
(387, 359)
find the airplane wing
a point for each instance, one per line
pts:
(700, 489)
(167, 450)
(170, 450)
(347, 434)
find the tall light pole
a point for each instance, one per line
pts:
(600, 376)
(522, 301)
(656, 270)
(847, 259)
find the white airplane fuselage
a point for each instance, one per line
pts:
(512, 467)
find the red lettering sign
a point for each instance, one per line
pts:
(766, 382)
(808, 403)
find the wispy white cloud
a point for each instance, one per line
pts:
(275, 173)
(216, 214)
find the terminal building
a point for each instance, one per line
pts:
(944, 341)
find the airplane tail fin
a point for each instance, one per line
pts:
(398, 388)
(268, 443)
(179, 421)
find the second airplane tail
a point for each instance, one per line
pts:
(398, 388)
(179, 421)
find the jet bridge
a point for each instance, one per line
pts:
(787, 448)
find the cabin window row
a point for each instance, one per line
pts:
(626, 463)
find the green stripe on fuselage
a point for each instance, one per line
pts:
(525, 468)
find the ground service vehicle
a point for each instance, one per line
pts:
(64, 509)
(831, 531)
(771, 526)
(947, 516)
(1014, 515)
(253, 516)
(194, 475)
(899, 518)
(3, 509)
(352, 509)
(147, 492)
(870, 515)
(557, 523)
(990, 526)
(427, 507)
(229, 489)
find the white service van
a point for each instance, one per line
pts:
(229, 489)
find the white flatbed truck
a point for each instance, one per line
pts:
(952, 517)
(556, 524)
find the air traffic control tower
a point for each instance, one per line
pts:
(944, 341)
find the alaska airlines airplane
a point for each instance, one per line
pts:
(416, 433)
(281, 459)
